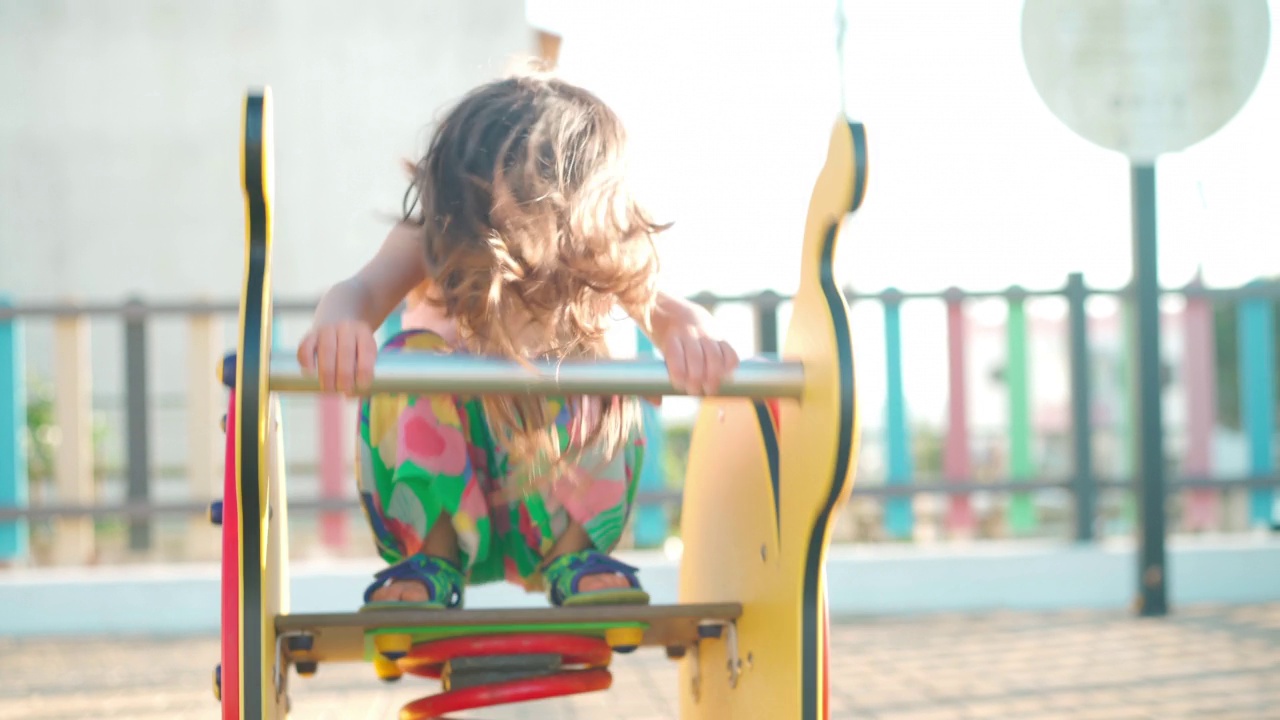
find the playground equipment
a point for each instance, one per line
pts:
(771, 461)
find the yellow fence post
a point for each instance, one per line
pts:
(204, 440)
(73, 475)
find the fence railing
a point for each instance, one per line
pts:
(72, 500)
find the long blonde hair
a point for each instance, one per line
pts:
(533, 237)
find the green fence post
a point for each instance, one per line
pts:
(1022, 510)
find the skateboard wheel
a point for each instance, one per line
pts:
(710, 632)
(306, 668)
(215, 512)
(300, 643)
(227, 371)
(217, 682)
(675, 652)
(387, 670)
(624, 640)
(392, 646)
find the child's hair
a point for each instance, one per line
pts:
(532, 236)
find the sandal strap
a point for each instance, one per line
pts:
(440, 577)
(575, 566)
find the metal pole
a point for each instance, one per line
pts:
(423, 373)
(766, 308)
(1084, 484)
(1149, 465)
(137, 432)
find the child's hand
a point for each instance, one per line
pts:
(341, 354)
(697, 358)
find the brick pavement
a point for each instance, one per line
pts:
(1218, 663)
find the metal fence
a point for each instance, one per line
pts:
(66, 494)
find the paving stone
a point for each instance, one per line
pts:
(1203, 662)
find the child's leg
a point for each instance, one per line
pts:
(565, 532)
(423, 490)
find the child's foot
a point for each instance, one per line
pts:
(591, 577)
(419, 582)
(402, 591)
(602, 581)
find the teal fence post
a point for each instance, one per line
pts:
(651, 525)
(898, 518)
(1125, 424)
(1256, 336)
(14, 536)
(1022, 510)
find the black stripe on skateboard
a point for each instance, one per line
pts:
(249, 420)
(769, 434)
(811, 615)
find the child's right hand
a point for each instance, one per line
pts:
(341, 354)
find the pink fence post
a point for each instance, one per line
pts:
(956, 460)
(333, 441)
(1201, 509)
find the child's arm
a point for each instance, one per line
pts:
(340, 347)
(697, 357)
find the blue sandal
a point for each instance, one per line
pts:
(564, 573)
(443, 580)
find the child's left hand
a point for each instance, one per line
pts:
(697, 356)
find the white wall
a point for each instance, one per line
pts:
(120, 131)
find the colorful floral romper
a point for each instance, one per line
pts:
(424, 455)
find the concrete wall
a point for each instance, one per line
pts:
(870, 580)
(121, 127)
(120, 138)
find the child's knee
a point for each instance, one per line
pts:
(386, 411)
(417, 340)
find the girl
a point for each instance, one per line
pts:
(520, 235)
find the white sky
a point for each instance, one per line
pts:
(973, 181)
